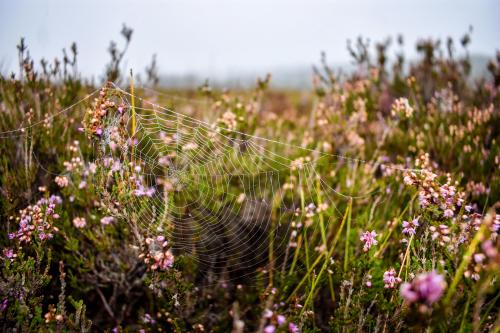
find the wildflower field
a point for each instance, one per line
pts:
(369, 203)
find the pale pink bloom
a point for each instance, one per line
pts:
(269, 329)
(280, 319)
(448, 213)
(61, 181)
(267, 313)
(79, 222)
(107, 220)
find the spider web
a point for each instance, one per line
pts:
(227, 199)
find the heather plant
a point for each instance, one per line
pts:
(369, 205)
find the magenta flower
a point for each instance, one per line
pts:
(425, 288)
(368, 238)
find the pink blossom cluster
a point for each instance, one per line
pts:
(426, 288)
(62, 181)
(140, 189)
(410, 228)
(79, 222)
(157, 255)
(440, 233)
(94, 122)
(369, 239)
(37, 220)
(391, 280)
(431, 192)
(277, 320)
(487, 256)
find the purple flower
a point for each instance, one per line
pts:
(269, 329)
(425, 288)
(448, 213)
(368, 238)
(3, 305)
(410, 228)
(280, 319)
(292, 328)
(390, 279)
(148, 319)
(8, 253)
(107, 220)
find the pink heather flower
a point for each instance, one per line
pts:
(147, 319)
(107, 220)
(166, 260)
(92, 168)
(368, 281)
(61, 181)
(82, 184)
(425, 288)
(280, 319)
(269, 329)
(489, 249)
(448, 213)
(116, 166)
(267, 313)
(410, 228)
(79, 222)
(368, 237)
(292, 328)
(390, 279)
(479, 257)
(157, 256)
(3, 305)
(8, 253)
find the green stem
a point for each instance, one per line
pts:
(347, 234)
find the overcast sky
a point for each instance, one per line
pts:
(214, 38)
